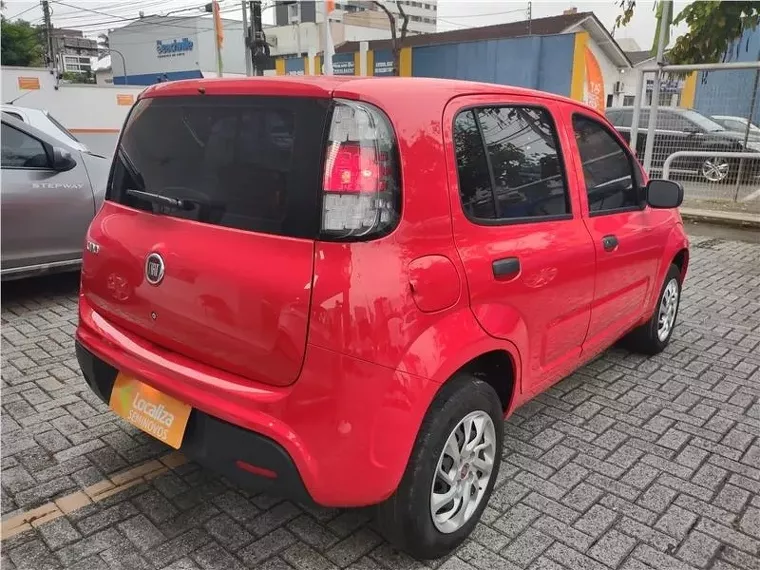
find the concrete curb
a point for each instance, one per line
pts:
(733, 219)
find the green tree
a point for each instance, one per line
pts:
(21, 43)
(714, 29)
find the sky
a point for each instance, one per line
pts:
(452, 14)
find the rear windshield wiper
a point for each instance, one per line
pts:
(168, 201)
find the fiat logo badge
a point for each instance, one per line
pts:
(154, 269)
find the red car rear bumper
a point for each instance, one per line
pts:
(341, 435)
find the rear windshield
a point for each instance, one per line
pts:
(251, 163)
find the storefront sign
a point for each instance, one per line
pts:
(383, 62)
(28, 82)
(666, 85)
(594, 83)
(294, 66)
(173, 48)
(343, 64)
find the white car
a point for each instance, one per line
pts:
(45, 122)
(736, 124)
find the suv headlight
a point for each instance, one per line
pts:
(753, 146)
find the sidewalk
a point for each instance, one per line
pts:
(736, 219)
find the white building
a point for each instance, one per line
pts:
(160, 48)
(168, 48)
(423, 16)
(304, 37)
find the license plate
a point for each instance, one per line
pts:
(157, 414)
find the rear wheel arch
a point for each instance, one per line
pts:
(498, 369)
(681, 260)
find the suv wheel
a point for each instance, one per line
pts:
(451, 472)
(653, 336)
(715, 169)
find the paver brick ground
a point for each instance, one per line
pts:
(631, 463)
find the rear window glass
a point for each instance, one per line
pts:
(245, 162)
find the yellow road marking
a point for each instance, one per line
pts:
(92, 494)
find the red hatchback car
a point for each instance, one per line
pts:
(336, 289)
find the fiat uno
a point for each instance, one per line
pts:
(336, 289)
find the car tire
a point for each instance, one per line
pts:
(653, 336)
(407, 518)
(717, 170)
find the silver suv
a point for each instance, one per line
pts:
(44, 121)
(50, 192)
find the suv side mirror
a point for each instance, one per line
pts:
(664, 194)
(62, 160)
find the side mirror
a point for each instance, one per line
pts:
(62, 160)
(664, 194)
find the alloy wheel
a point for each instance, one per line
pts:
(666, 316)
(463, 472)
(715, 169)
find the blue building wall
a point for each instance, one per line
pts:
(343, 64)
(294, 66)
(151, 78)
(538, 62)
(730, 92)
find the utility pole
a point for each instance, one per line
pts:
(530, 17)
(751, 114)
(247, 40)
(259, 42)
(329, 47)
(661, 41)
(48, 32)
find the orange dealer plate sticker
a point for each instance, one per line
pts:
(157, 414)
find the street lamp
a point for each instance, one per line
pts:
(123, 62)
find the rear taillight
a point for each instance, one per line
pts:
(362, 191)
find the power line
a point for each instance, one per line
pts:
(489, 14)
(461, 26)
(73, 18)
(120, 19)
(77, 15)
(23, 12)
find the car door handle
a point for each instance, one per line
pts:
(506, 267)
(610, 243)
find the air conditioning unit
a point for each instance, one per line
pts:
(619, 87)
(294, 13)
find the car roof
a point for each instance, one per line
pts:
(377, 88)
(9, 107)
(647, 108)
(41, 134)
(29, 129)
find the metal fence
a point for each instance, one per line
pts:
(701, 129)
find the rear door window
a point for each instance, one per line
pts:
(250, 163)
(509, 164)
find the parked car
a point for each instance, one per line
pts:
(685, 129)
(737, 124)
(50, 193)
(330, 292)
(44, 121)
